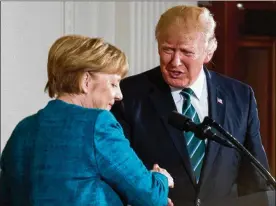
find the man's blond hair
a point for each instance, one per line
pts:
(189, 19)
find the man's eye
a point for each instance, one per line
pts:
(167, 49)
(187, 53)
(114, 85)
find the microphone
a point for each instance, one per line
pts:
(242, 150)
(201, 131)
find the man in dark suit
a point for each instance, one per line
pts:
(202, 170)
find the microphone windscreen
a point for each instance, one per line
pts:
(178, 120)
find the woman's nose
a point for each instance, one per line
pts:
(119, 95)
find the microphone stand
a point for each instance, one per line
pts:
(238, 146)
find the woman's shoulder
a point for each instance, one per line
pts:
(60, 109)
(98, 115)
(57, 110)
(105, 115)
(106, 122)
(24, 126)
(26, 122)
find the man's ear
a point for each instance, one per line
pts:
(158, 48)
(208, 57)
(85, 82)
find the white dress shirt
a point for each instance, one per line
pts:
(199, 100)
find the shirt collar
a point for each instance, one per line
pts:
(197, 86)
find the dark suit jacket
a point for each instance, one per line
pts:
(144, 111)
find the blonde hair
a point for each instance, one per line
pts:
(72, 55)
(189, 19)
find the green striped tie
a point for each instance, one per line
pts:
(195, 146)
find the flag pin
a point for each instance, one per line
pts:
(219, 100)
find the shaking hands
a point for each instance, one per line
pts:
(156, 168)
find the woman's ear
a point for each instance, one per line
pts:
(85, 82)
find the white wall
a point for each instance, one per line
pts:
(29, 28)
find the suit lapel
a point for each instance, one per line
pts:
(217, 109)
(164, 104)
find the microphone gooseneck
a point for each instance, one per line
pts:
(204, 131)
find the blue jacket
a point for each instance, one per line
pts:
(73, 156)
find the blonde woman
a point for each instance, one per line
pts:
(73, 152)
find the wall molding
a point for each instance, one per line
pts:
(69, 17)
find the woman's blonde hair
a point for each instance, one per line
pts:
(72, 55)
(189, 19)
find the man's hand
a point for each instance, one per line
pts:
(170, 203)
(156, 168)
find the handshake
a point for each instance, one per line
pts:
(156, 168)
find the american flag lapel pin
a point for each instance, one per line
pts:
(219, 100)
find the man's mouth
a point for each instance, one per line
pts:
(176, 74)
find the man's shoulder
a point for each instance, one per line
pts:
(226, 82)
(144, 76)
(140, 82)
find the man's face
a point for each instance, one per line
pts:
(182, 56)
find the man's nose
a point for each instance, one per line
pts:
(176, 61)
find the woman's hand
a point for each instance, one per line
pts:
(156, 168)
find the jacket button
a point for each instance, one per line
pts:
(198, 202)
